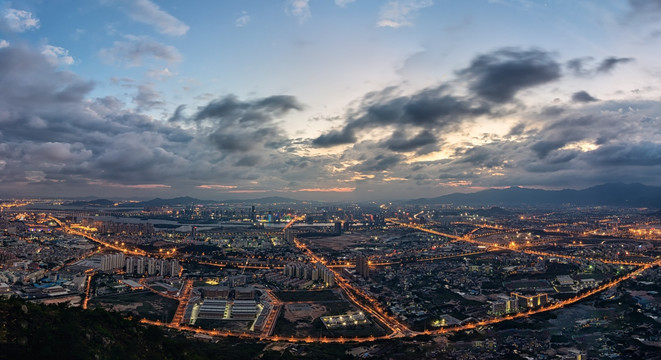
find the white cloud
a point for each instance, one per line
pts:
(57, 55)
(160, 74)
(136, 49)
(19, 20)
(343, 3)
(398, 13)
(3, 43)
(147, 12)
(243, 20)
(299, 8)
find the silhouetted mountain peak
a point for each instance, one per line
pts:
(611, 194)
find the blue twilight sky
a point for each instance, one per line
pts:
(323, 99)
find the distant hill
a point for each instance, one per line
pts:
(264, 200)
(494, 211)
(96, 203)
(613, 194)
(179, 201)
(187, 200)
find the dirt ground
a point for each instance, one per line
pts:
(297, 312)
(122, 307)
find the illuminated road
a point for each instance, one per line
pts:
(417, 227)
(292, 221)
(88, 285)
(272, 318)
(183, 303)
(96, 240)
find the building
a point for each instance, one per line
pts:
(346, 320)
(289, 236)
(529, 302)
(362, 266)
(215, 292)
(338, 227)
(212, 309)
(244, 309)
(111, 262)
(314, 272)
(163, 267)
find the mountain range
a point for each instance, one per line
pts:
(612, 194)
(182, 201)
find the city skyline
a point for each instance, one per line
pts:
(327, 100)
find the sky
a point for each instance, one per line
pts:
(326, 99)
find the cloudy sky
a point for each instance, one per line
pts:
(326, 99)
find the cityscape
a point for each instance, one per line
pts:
(330, 179)
(440, 281)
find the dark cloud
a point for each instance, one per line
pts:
(433, 107)
(553, 111)
(483, 156)
(335, 137)
(645, 9)
(430, 109)
(609, 64)
(556, 161)
(622, 154)
(400, 143)
(26, 77)
(583, 67)
(499, 75)
(378, 163)
(178, 115)
(517, 129)
(559, 133)
(544, 147)
(249, 161)
(147, 98)
(230, 142)
(240, 126)
(578, 66)
(230, 109)
(582, 97)
(645, 5)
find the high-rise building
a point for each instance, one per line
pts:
(338, 227)
(289, 236)
(129, 265)
(105, 263)
(112, 261)
(163, 268)
(362, 266)
(174, 267)
(151, 266)
(307, 271)
(140, 266)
